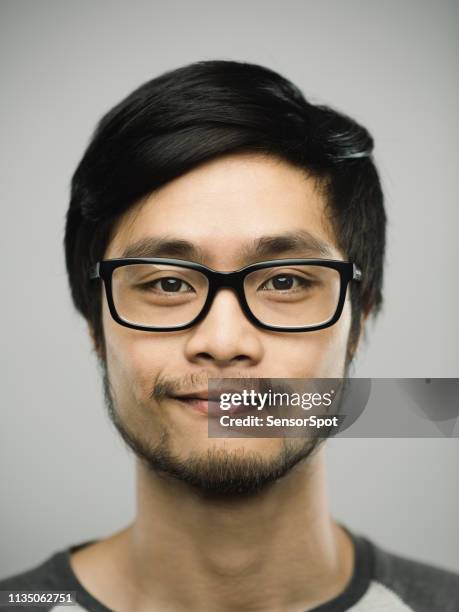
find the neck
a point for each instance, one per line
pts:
(281, 546)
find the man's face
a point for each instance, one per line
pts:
(221, 208)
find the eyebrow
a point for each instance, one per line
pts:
(264, 247)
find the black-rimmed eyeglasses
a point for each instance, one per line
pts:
(287, 295)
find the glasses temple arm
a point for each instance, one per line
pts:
(356, 273)
(94, 271)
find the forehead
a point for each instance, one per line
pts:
(224, 208)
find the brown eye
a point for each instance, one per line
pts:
(168, 284)
(285, 282)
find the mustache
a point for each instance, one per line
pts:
(171, 387)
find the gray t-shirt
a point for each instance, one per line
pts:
(381, 582)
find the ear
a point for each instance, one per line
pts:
(353, 348)
(97, 348)
(363, 320)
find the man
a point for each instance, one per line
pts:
(219, 166)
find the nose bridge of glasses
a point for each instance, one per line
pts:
(226, 280)
(221, 280)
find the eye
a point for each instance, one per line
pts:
(285, 282)
(168, 284)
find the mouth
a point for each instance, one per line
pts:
(201, 404)
(208, 405)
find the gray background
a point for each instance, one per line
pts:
(65, 476)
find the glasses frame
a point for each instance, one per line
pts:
(348, 271)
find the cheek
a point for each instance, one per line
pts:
(134, 360)
(334, 346)
(319, 354)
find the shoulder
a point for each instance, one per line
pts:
(38, 577)
(421, 586)
(51, 574)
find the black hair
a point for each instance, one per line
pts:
(205, 110)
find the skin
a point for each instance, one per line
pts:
(185, 550)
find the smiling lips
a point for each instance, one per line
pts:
(202, 405)
(209, 404)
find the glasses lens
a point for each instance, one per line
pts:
(294, 295)
(158, 295)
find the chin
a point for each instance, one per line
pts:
(264, 447)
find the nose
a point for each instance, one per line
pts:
(225, 337)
